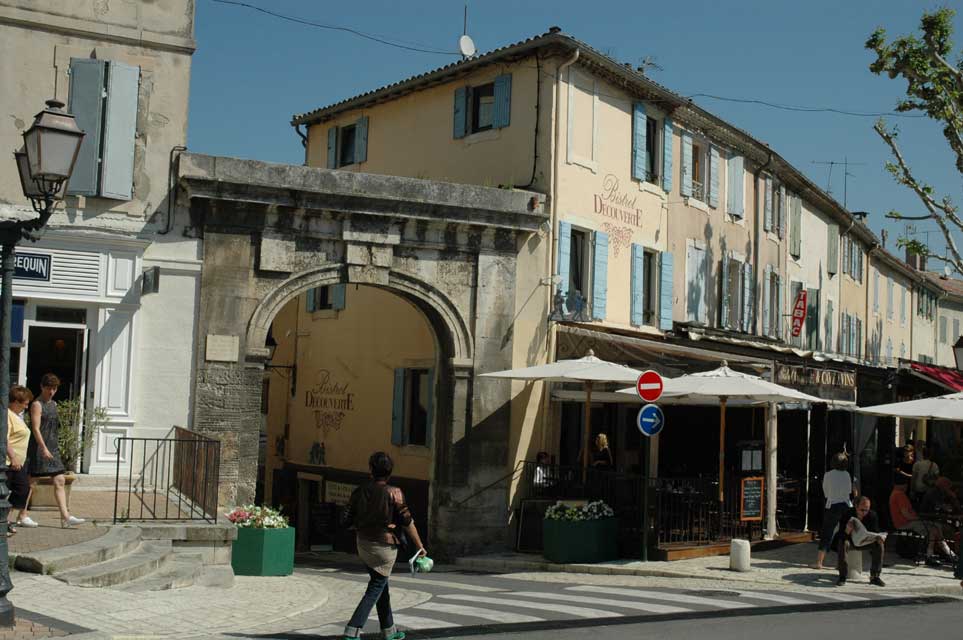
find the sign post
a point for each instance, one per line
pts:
(650, 422)
(799, 313)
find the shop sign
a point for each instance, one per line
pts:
(799, 313)
(32, 266)
(831, 384)
(750, 500)
(338, 492)
(330, 401)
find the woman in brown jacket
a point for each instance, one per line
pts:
(377, 511)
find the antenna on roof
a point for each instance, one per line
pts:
(465, 44)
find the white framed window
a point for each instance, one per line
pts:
(583, 106)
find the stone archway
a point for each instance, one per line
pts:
(271, 232)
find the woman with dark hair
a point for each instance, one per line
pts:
(44, 452)
(838, 489)
(18, 435)
(377, 511)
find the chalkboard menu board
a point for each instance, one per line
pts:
(750, 500)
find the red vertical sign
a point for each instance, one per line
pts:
(799, 313)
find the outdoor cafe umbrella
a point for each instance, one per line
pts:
(948, 407)
(587, 370)
(720, 385)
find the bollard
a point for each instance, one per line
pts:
(739, 555)
(854, 561)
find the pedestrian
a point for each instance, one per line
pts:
(904, 469)
(838, 489)
(18, 436)
(925, 471)
(602, 458)
(43, 454)
(861, 539)
(379, 515)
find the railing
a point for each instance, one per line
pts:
(171, 478)
(698, 190)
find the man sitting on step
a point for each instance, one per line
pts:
(859, 536)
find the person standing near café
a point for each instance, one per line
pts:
(43, 454)
(18, 436)
(838, 489)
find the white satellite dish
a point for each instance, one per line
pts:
(466, 45)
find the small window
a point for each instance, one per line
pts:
(650, 292)
(346, 145)
(482, 107)
(329, 298)
(417, 399)
(698, 168)
(653, 152)
(61, 314)
(578, 268)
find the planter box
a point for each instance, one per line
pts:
(263, 552)
(43, 492)
(585, 541)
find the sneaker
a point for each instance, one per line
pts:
(71, 522)
(876, 580)
(27, 522)
(841, 582)
(397, 635)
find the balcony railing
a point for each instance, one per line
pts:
(698, 190)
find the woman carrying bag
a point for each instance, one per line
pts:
(379, 515)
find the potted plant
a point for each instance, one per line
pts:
(585, 533)
(75, 435)
(264, 544)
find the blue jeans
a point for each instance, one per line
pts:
(376, 595)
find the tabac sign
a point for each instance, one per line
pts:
(799, 313)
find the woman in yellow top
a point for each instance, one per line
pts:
(18, 437)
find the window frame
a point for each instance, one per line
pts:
(475, 93)
(700, 169)
(343, 146)
(412, 373)
(653, 149)
(650, 291)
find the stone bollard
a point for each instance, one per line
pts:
(854, 562)
(739, 555)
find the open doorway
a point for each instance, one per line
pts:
(57, 349)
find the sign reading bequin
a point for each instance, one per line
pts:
(614, 203)
(330, 400)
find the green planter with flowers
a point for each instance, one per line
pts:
(264, 544)
(581, 534)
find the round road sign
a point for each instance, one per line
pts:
(649, 386)
(650, 420)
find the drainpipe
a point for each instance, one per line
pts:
(869, 253)
(550, 338)
(756, 240)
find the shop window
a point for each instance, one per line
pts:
(413, 398)
(653, 151)
(329, 298)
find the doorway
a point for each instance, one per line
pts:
(60, 349)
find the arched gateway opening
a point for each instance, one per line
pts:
(367, 304)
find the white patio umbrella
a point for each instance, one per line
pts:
(948, 407)
(721, 385)
(588, 370)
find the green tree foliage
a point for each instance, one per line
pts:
(934, 88)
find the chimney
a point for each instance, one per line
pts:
(883, 234)
(915, 260)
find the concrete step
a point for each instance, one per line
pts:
(115, 543)
(146, 559)
(182, 571)
(220, 576)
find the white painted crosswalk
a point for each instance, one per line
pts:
(492, 615)
(578, 612)
(664, 596)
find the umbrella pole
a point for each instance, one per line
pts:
(722, 444)
(587, 430)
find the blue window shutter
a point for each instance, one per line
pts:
(564, 256)
(747, 297)
(337, 296)
(639, 165)
(333, 148)
(767, 198)
(86, 103)
(600, 276)
(766, 294)
(665, 292)
(829, 327)
(361, 140)
(859, 337)
(686, 163)
(637, 285)
(310, 300)
(398, 409)
(503, 101)
(781, 223)
(430, 418)
(713, 176)
(779, 308)
(120, 128)
(724, 298)
(461, 112)
(735, 186)
(667, 156)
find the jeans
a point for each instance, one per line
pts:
(375, 595)
(875, 553)
(831, 518)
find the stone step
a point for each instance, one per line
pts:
(220, 576)
(147, 558)
(182, 571)
(115, 543)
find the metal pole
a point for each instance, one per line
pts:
(722, 446)
(7, 617)
(586, 430)
(809, 415)
(645, 497)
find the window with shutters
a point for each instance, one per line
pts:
(731, 300)
(328, 298)
(650, 293)
(346, 145)
(653, 150)
(578, 265)
(700, 170)
(417, 409)
(482, 107)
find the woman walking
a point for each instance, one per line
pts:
(44, 451)
(838, 489)
(378, 513)
(18, 435)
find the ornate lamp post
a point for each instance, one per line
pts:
(45, 163)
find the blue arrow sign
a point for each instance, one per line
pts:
(650, 420)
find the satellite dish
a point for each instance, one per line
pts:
(946, 271)
(466, 45)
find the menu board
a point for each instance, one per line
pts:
(750, 500)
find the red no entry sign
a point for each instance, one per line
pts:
(649, 386)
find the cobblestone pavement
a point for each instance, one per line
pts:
(94, 506)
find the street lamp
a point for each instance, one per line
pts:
(958, 352)
(50, 148)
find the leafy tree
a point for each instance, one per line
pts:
(934, 88)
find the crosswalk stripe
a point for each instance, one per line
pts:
(771, 597)
(621, 604)
(506, 617)
(417, 622)
(443, 583)
(326, 630)
(580, 612)
(670, 597)
(842, 597)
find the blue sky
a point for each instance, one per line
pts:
(251, 72)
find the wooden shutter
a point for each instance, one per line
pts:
(639, 164)
(783, 205)
(120, 129)
(876, 292)
(665, 292)
(735, 192)
(686, 163)
(693, 276)
(332, 148)
(337, 296)
(667, 156)
(832, 253)
(86, 103)
(310, 300)
(600, 275)
(563, 262)
(724, 293)
(829, 327)
(766, 295)
(767, 199)
(748, 303)
(637, 285)
(361, 140)
(503, 101)
(859, 337)
(398, 409)
(779, 315)
(461, 112)
(797, 225)
(713, 176)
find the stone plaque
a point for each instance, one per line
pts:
(223, 348)
(338, 492)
